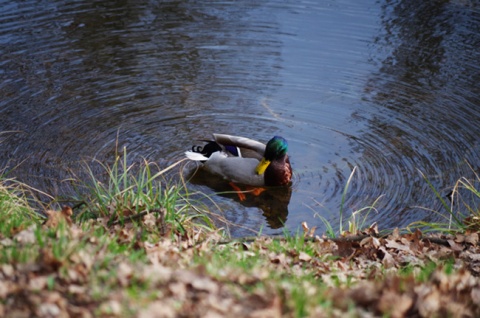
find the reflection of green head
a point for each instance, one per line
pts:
(276, 148)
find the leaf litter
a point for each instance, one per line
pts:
(63, 269)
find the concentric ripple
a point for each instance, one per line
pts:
(388, 89)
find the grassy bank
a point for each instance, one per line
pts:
(136, 245)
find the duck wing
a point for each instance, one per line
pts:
(249, 148)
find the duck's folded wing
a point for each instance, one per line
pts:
(241, 142)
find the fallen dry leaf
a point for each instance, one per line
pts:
(26, 236)
(305, 227)
(54, 218)
(159, 309)
(124, 273)
(455, 246)
(428, 300)
(304, 257)
(394, 304)
(397, 246)
(472, 238)
(388, 261)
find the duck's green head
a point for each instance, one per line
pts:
(276, 148)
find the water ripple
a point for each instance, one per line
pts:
(388, 87)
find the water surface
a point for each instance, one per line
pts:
(388, 87)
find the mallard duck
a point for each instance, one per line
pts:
(245, 161)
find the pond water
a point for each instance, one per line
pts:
(389, 87)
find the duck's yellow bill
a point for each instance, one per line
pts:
(262, 166)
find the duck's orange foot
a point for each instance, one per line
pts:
(256, 191)
(241, 195)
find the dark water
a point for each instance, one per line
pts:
(389, 87)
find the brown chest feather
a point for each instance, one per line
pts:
(279, 172)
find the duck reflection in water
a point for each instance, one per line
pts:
(273, 201)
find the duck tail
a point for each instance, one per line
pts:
(195, 156)
(208, 149)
